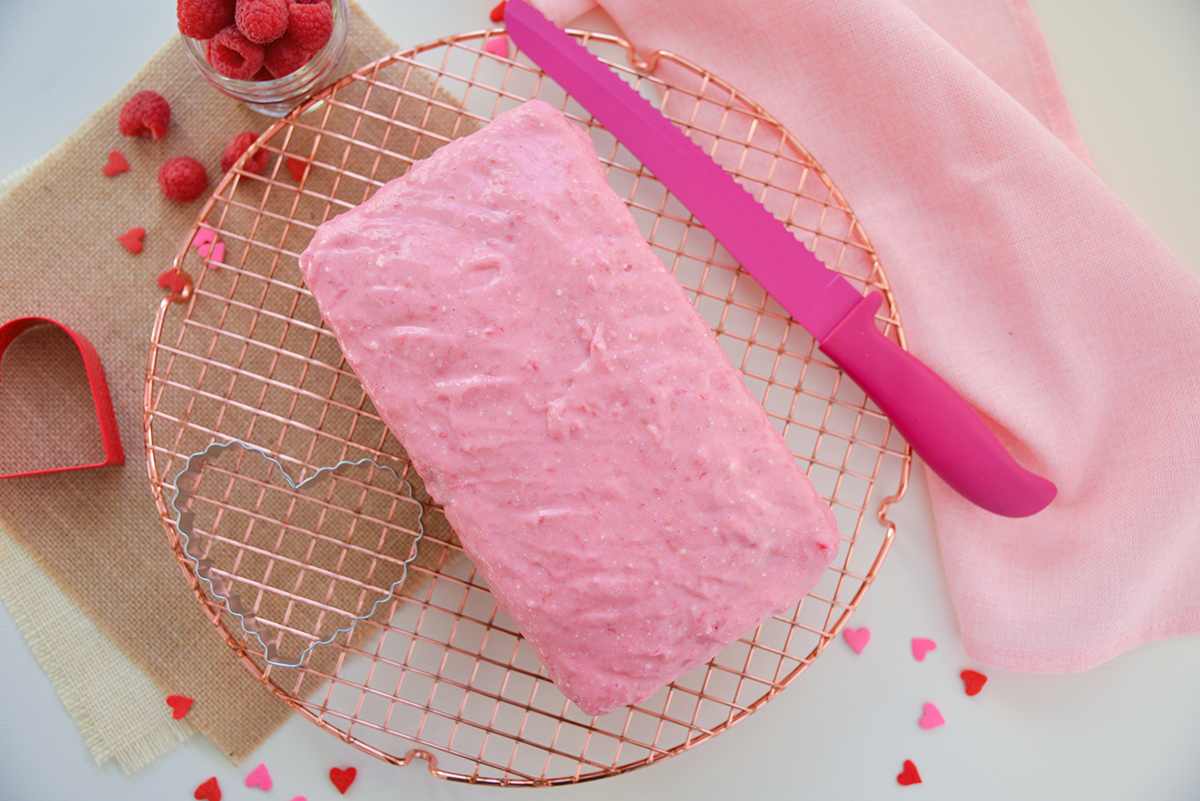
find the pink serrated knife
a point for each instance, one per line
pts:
(940, 426)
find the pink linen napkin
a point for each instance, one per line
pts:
(1020, 277)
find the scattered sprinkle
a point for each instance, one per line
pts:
(920, 647)
(259, 777)
(204, 237)
(132, 239)
(497, 14)
(209, 791)
(932, 717)
(497, 46)
(973, 681)
(297, 167)
(116, 163)
(170, 279)
(857, 638)
(146, 114)
(180, 705)
(217, 256)
(909, 775)
(342, 779)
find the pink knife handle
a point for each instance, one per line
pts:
(940, 426)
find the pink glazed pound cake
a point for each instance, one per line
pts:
(624, 495)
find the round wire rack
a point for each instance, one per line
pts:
(432, 670)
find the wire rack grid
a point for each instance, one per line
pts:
(436, 671)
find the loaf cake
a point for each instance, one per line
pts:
(626, 498)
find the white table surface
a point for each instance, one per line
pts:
(1129, 729)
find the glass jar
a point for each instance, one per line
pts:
(278, 96)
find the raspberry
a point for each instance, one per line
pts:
(182, 178)
(261, 21)
(239, 145)
(201, 19)
(145, 114)
(285, 55)
(233, 55)
(310, 24)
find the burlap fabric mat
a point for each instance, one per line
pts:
(97, 533)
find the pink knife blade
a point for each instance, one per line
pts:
(936, 421)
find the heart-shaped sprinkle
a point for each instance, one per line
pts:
(132, 239)
(259, 777)
(497, 46)
(342, 779)
(297, 167)
(299, 798)
(497, 13)
(172, 280)
(920, 647)
(209, 791)
(973, 681)
(857, 638)
(217, 256)
(203, 238)
(180, 704)
(932, 717)
(909, 775)
(116, 163)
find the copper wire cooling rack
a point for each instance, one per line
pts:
(437, 672)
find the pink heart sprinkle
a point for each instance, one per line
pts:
(857, 638)
(920, 647)
(203, 237)
(497, 46)
(299, 798)
(259, 777)
(932, 717)
(217, 258)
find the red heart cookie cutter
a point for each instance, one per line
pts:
(113, 453)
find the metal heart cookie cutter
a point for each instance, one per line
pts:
(298, 563)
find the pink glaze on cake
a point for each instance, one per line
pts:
(624, 495)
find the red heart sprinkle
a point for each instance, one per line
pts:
(497, 14)
(342, 779)
(172, 280)
(209, 791)
(116, 163)
(132, 239)
(180, 704)
(973, 680)
(909, 775)
(297, 167)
